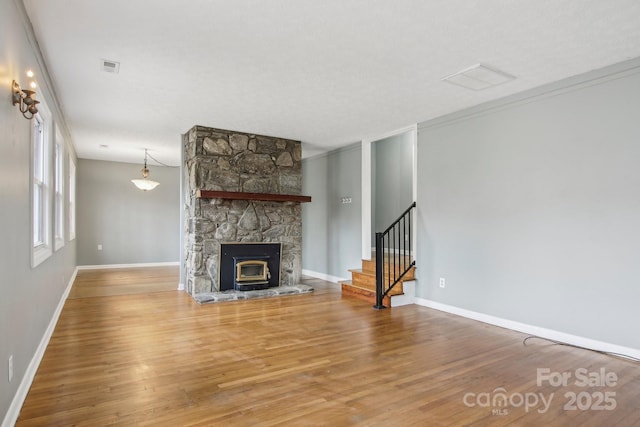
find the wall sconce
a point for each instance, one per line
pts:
(25, 99)
(145, 184)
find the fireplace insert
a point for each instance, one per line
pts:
(249, 266)
(251, 273)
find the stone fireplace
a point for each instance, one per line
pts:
(240, 188)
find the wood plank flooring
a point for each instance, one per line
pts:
(160, 359)
(124, 281)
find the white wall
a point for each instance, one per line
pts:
(29, 296)
(529, 207)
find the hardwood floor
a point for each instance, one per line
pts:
(160, 359)
(124, 281)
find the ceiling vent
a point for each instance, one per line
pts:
(110, 66)
(478, 77)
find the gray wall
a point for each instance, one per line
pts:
(133, 226)
(29, 296)
(392, 171)
(331, 230)
(530, 207)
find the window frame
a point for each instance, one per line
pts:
(72, 199)
(41, 186)
(58, 191)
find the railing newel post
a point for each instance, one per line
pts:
(379, 270)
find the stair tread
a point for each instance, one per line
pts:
(371, 273)
(410, 275)
(397, 290)
(357, 285)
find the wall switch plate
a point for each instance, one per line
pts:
(99, 247)
(10, 368)
(442, 282)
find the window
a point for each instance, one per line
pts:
(38, 181)
(58, 164)
(41, 187)
(72, 199)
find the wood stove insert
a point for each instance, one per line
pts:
(249, 266)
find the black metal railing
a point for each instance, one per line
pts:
(394, 254)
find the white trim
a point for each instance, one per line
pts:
(414, 175)
(570, 84)
(408, 295)
(23, 389)
(182, 278)
(143, 264)
(45, 84)
(366, 199)
(59, 181)
(400, 131)
(71, 200)
(367, 181)
(44, 249)
(350, 147)
(40, 254)
(323, 276)
(531, 329)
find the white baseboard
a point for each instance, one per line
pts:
(323, 276)
(23, 389)
(530, 329)
(144, 264)
(408, 297)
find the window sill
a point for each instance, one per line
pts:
(40, 254)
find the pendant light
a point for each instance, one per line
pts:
(145, 184)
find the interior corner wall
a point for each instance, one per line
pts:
(331, 230)
(29, 296)
(392, 172)
(133, 226)
(529, 207)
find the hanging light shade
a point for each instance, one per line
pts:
(145, 183)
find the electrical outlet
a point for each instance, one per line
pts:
(99, 247)
(442, 282)
(10, 368)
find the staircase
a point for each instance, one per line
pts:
(363, 284)
(390, 271)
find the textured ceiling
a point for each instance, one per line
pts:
(327, 72)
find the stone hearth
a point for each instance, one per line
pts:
(222, 160)
(210, 297)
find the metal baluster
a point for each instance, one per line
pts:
(379, 270)
(392, 243)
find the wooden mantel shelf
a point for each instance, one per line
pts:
(237, 195)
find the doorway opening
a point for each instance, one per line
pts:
(388, 181)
